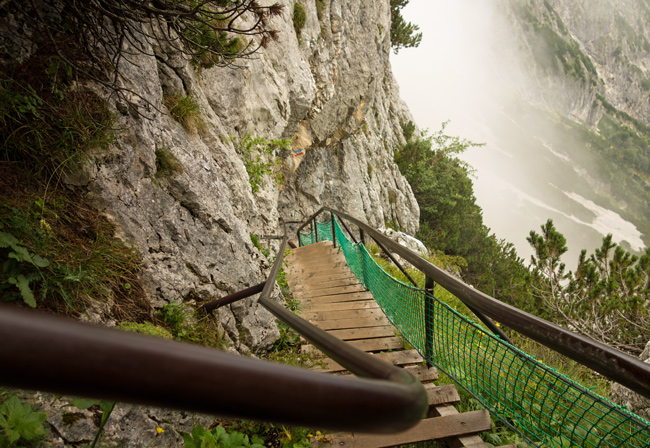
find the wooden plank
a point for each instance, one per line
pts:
(328, 283)
(323, 279)
(315, 268)
(367, 345)
(466, 441)
(405, 357)
(328, 291)
(442, 394)
(340, 324)
(427, 429)
(340, 288)
(364, 313)
(423, 373)
(364, 333)
(341, 306)
(351, 297)
(328, 270)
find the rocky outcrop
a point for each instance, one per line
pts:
(576, 51)
(330, 91)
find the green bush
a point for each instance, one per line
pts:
(259, 157)
(299, 18)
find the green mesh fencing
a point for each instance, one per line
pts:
(546, 407)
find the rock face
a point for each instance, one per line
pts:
(577, 51)
(330, 91)
(633, 401)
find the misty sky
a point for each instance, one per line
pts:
(461, 73)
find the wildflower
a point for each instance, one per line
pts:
(159, 430)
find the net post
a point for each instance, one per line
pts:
(362, 235)
(316, 229)
(429, 286)
(333, 229)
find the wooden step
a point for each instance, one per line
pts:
(367, 345)
(427, 429)
(342, 306)
(351, 297)
(350, 334)
(402, 358)
(330, 291)
(314, 316)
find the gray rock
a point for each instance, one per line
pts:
(634, 402)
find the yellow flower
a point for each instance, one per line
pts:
(159, 430)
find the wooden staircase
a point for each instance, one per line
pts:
(333, 299)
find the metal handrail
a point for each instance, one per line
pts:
(55, 354)
(615, 365)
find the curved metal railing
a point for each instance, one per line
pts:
(49, 353)
(615, 365)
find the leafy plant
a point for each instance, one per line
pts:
(106, 408)
(19, 422)
(86, 262)
(20, 268)
(220, 438)
(259, 157)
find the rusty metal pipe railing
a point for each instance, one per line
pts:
(231, 298)
(615, 365)
(87, 360)
(50, 353)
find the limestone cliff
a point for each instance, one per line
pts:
(330, 90)
(578, 51)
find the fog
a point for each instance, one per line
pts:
(468, 69)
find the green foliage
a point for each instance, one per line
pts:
(408, 129)
(189, 325)
(603, 299)
(20, 268)
(274, 435)
(259, 157)
(145, 328)
(402, 33)
(210, 47)
(299, 18)
(52, 126)
(106, 408)
(220, 438)
(167, 163)
(451, 221)
(65, 251)
(184, 109)
(320, 7)
(553, 52)
(19, 422)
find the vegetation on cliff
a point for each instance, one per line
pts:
(604, 298)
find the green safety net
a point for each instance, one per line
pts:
(543, 405)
